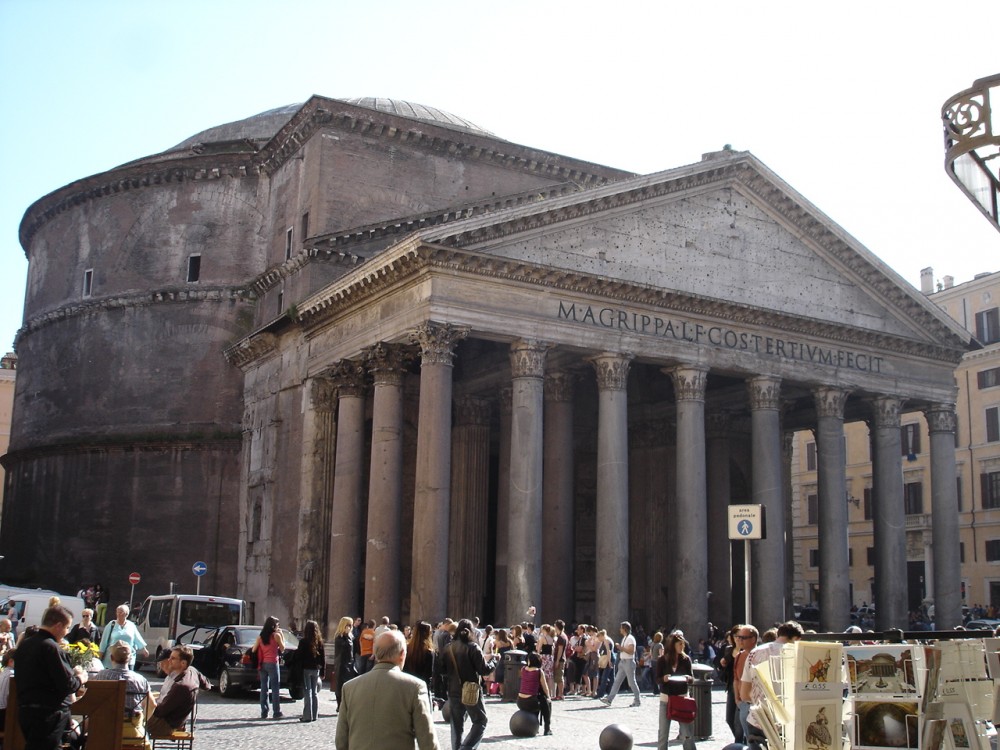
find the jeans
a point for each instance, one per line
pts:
(270, 681)
(686, 732)
(310, 694)
(743, 708)
(537, 704)
(626, 669)
(476, 713)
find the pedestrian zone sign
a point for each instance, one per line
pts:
(746, 522)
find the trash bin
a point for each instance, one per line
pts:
(513, 660)
(701, 691)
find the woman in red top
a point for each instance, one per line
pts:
(534, 692)
(268, 647)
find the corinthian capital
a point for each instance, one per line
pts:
(437, 342)
(527, 359)
(323, 394)
(830, 401)
(689, 382)
(559, 386)
(349, 378)
(886, 410)
(612, 371)
(765, 393)
(387, 363)
(941, 418)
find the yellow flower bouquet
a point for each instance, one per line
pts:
(81, 654)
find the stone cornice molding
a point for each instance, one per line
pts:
(252, 350)
(349, 377)
(154, 171)
(273, 276)
(559, 386)
(388, 362)
(437, 342)
(167, 295)
(472, 411)
(411, 257)
(830, 401)
(886, 411)
(689, 382)
(131, 446)
(612, 370)
(765, 393)
(941, 418)
(527, 359)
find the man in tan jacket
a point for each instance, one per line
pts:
(386, 708)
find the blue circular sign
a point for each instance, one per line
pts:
(744, 528)
(199, 568)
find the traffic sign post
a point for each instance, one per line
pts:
(199, 569)
(133, 578)
(746, 522)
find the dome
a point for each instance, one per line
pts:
(262, 127)
(417, 112)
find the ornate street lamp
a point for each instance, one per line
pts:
(972, 144)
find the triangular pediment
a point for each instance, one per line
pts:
(728, 230)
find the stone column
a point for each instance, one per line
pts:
(611, 578)
(691, 514)
(787, 444)
(503, 503)
(944, 518)
(432, 492)
(834, 572)
(720, 610)
(524, 542)
(557, 500)
(767, 561)
(346, 515)
(387, 364)
(319, 442)
(470, 474)
(888, 516)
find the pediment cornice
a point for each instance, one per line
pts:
(393, 267)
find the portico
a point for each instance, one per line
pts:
(552, 406)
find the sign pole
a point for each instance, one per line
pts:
(199, 569)
(746, 579)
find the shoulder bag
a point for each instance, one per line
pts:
(470, 690)
(682, 709)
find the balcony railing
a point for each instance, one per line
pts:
(972, 145)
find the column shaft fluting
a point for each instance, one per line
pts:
(718, 490)
(611, 584)
(347, 513)
(318, 455)
(524, 541)
(691, 512)
(767, 566)
(432, 492)
(947, 563)
(557, 500)
(888, 516)
(834, 572)
(470, 471)
(385, 484)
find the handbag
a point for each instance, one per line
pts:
(470, 690)
(681, 708)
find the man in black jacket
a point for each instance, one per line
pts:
(463, 661)
(46, 682)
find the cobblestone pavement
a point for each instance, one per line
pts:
(231, 724)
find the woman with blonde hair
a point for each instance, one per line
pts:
(343, 656)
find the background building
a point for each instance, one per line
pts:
(8, 372)
(976, 306)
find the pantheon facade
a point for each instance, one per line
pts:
(364, 357)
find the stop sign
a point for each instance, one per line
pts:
(134, 578)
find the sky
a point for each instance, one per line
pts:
(841, 100)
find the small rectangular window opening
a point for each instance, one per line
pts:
(88, 282)
(194, 268)
(288, 243)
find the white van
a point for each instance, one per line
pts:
(31, 604)
(161, 619)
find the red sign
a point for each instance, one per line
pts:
(134, 578)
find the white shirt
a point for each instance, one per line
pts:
(627, 641)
